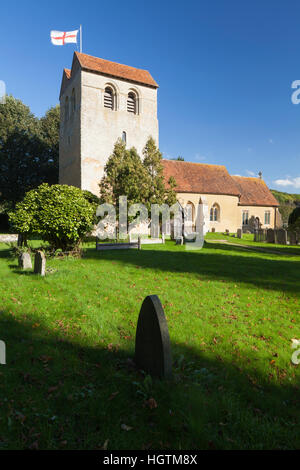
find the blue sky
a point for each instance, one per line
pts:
(224, 68)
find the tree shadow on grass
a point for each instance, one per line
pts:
(227, 262)
(56, 393)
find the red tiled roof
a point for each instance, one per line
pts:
(254, 192)
(113, 69)
(200, 178)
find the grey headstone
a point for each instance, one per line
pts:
(25, 261)
(239, 233)
(139, 243)
(40, 263)
(270, 235)
(163, 238)
(292, 238)
(179, 241)
(281, 236)
(152, 341)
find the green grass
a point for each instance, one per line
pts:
(247, 239)
(69, 382)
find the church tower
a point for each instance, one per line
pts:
(102, 101)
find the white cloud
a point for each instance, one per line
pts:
(250, 173)
(271, 141)
(295, 182)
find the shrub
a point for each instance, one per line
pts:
(59, 214)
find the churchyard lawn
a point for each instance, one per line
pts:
(69, 381)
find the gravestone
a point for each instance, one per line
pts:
(179, 241)
(25, 261)
(152, 341)
(260, 235)
(213, 230)
(293, 238)
(239, 233)
(281, 236)
(40, 263)
(270, 235)
(139, 243)
(227, 232)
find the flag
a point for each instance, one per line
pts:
(60, 38)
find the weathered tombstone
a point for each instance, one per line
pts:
(139, 243)
(213, 230)
(152, 341)
(281, 236)
(163, 239)
(25, 261)
(227, 231)
(239, 233)
(292, 238)
(270, 235)
(40, 263)
(179, 241)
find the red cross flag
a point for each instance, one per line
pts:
(60, 38)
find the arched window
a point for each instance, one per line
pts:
(215, 213)
(132, 103)
(109, 99)
(73, 102)
(124, 137)
(190, 211)
(67, 108)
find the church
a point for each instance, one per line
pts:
(102, 101)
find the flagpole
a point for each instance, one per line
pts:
(80, 38)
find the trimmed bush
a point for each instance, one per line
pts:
(59, 214)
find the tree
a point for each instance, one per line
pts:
(140, 180)
(59, 214)
(49, 134)
(294, 220)
(28, 149)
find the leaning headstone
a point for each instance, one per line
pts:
(270, 235)
(25, 261)
(40, 263)
(239, 233)
(292, 238)
(152, 341)
(281, 236)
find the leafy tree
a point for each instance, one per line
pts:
(59, 214)
(28, 149)
(288, 202)
(294, 218)
(140, 180)
(49, 134)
